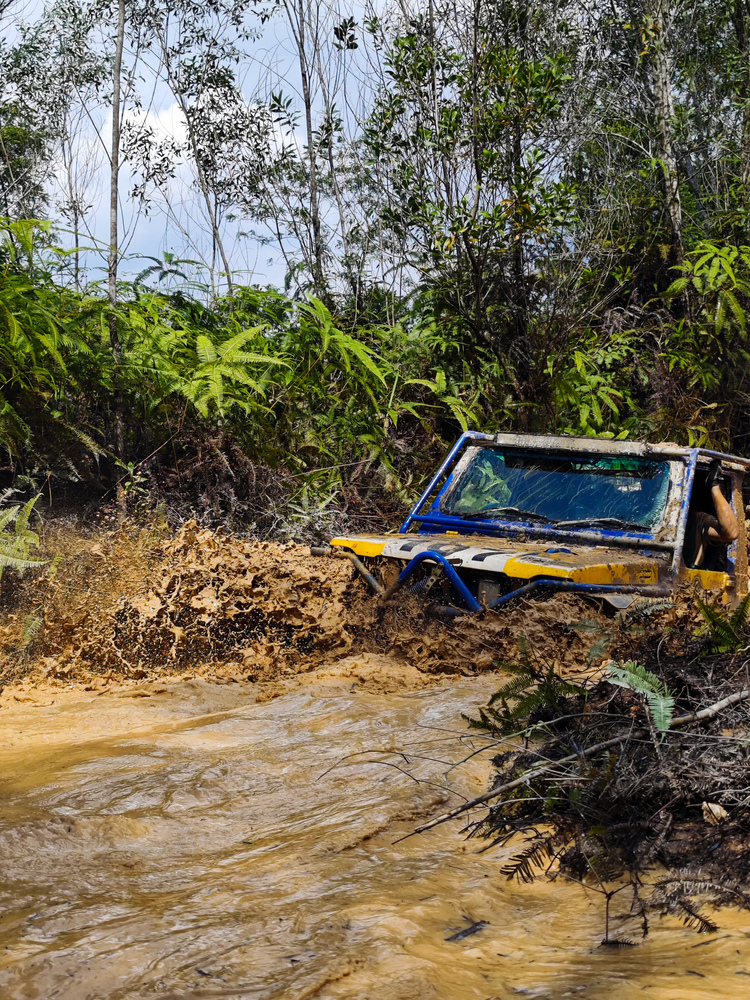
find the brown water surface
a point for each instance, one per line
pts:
(195, 840)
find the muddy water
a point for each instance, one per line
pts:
(194, 840)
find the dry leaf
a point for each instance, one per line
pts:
(713, 813)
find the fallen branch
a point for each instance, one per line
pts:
(708, 713)
(680, 720)
(533, 773)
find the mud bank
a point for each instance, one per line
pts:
(131, 604)
(195, 840)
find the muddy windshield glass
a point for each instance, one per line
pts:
(601, 491)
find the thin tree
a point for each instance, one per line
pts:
(661, 64)
(196, 154)
(113, 259)
(304, 32)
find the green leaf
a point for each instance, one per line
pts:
(15, 545)
(598, 649)
(676, 288)
(635, 677)
(661, 707)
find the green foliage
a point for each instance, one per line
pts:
(287, 380)
(591, 386)
(17, 539)
(480, 141)
(635, 677)
(22, 153)
(727, 629)
(299, 384)
(449, 393)
(628, 623)
(531, 687)
(508, 177)
(721, 277)
(707, 349)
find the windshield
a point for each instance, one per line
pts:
(603, 491)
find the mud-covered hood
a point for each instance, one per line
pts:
(520, 559)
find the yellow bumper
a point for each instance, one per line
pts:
(517, 559)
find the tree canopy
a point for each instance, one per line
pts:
(499, 214)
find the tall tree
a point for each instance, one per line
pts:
(303, 24)
(114, 250)
(659, 28)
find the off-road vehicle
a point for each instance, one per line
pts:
(509, 514)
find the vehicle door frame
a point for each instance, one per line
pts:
(737, 553)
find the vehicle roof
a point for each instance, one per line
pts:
(606, 446)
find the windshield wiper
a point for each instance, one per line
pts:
(489, 512)
(607, 522)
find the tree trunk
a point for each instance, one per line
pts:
(353, 277)
(77, 242)
(203, 183)
(664, 113)
(741, 19)
(298, 23)
(206, 192)
(520, 349)
(114, 336)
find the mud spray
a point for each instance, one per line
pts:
(208, 753)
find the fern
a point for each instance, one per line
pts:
(16, 538)
(522, 866)
(31, 629)
(602, 641)
(726, 629)
(675, 893)
(643, 607)
(588, 626)
(222, 374)
(691, 882)
(521, 681)
(598, 649)
(659, 698)
(529, 688)
(694, 919)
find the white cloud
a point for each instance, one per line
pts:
(168, 123)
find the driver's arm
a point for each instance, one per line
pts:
(729, 529)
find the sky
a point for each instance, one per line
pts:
(175, 221)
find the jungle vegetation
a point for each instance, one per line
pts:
(523, 215)
(500, 215)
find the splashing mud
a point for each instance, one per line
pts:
(133, 605)
(216, 813)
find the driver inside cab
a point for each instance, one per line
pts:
(709, 534)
